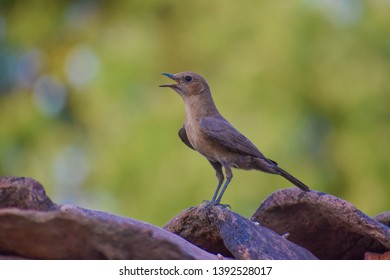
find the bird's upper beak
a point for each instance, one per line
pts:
(172, 76)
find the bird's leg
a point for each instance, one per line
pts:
(229, 176)
(218, 172)
(216, 191)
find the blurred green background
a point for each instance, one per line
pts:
(80, 109)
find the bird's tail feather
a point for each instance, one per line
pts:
(292, 179)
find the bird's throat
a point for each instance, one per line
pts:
(200, 106)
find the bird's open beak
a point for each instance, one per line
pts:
(169, 76)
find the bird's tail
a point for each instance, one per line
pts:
(292, 179)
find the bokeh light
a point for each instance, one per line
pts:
(49, 95)
(82, 66)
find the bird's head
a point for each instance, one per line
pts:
(187, 83)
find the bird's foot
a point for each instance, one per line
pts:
(224, 205)
(216, 203)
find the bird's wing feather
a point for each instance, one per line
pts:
(223, 132)
(184, 138)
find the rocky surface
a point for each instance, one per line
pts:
(375, 256)
(32, 227)
(329, 227)
(289, 224)
(221, 231)
(24, 193)
(383, 218)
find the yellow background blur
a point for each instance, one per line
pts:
(308, 82)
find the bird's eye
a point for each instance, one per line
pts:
(188, 78)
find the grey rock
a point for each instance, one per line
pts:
(383, 218)
(219, 230)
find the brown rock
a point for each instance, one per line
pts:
(219, 230)
(194, 225)
(11, 258)
(24, 193)
(68, 232)
(329, 227)
(375, 256)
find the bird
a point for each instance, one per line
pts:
(206, 131)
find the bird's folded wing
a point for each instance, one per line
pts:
(184, 138)
(221, 131)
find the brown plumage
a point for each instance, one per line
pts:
(206, 131)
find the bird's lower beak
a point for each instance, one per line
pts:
(169, 76)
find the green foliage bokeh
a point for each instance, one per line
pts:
(306, 81)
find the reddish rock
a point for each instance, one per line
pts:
(328, 226)
(375, 256)
(32, 227)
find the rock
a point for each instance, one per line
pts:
(383, 218)
(375, 256)
(32, 227)
(327, 226)
(219, 230)
(194, 225)
(11, 258)
(24, 193)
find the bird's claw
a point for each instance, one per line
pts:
(224, 205)
(216, 203)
